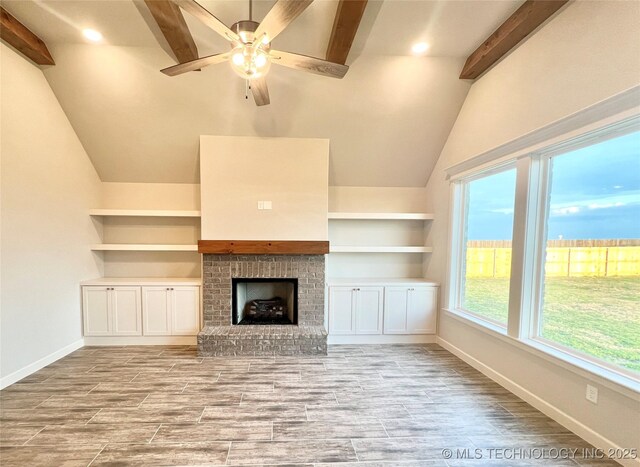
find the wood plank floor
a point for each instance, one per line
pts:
(366, 405)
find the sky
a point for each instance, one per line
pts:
(594, 194)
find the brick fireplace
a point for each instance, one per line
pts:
(220, 336)
(264, 204)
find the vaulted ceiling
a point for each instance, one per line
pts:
(387, 119)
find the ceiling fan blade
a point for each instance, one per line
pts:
(195, 64)
(279, 17)
(310, 64)
(260, 91)
(197, 10)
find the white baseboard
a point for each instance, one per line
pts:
(383, 339)
(140, 340)
(543, 406)
(39, 364)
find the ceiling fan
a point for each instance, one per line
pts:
(251, 54)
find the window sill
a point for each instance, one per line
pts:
(622, 384)
(477, 322)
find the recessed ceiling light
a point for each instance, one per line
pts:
(420, 48)
(92, 35)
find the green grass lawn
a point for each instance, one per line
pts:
(599, 316)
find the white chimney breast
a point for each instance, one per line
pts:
(287, 179)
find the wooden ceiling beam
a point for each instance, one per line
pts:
(174, 28)
(519, 25)
(345, 26)
(16, 34)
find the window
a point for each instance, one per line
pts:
(486, 245)
(546, 249)
(590, 289)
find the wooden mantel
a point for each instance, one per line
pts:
(263, 247)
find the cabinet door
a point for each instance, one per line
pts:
(421, 312)
(185, 311)
(156, 311)
(395, 310)
(95, 311)
(369, 310)
(341, 307)
(126, 311)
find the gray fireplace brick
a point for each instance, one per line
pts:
(262, 341)
(219, 337)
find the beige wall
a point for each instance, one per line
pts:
(377, 199)
(237, 172)
(48, 186)
(588, 53)
(166, 196)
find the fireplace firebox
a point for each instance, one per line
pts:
(264, 301)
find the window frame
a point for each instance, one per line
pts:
(537, 283)
(526, 290)
(461, 189)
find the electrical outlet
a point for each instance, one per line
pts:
(260, 204)
(592, 394)
(267, 205)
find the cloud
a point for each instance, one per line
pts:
(591, 203)
(565, 210)
(605, 205)
(508, 211)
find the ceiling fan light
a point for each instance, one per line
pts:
(237, 58)
(260, 60)
(249, 62)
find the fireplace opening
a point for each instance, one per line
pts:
(265, 301)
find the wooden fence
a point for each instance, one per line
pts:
(564, 258)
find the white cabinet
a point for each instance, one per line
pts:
(112, 311)
(410, 310)
(422, 310)
(170, 311)
(355, 310)
(95, 306)
(156, 315)
(164, 309)
(383, 309)
(395, 310)
(368, 311)
(185, 311)
(341, 306)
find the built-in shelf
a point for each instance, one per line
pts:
(142, 247)
(408, 216)
(143, 281)
(379, 281)
(380, 249)
(142, 213)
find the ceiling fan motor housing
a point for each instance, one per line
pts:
(245, 29)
